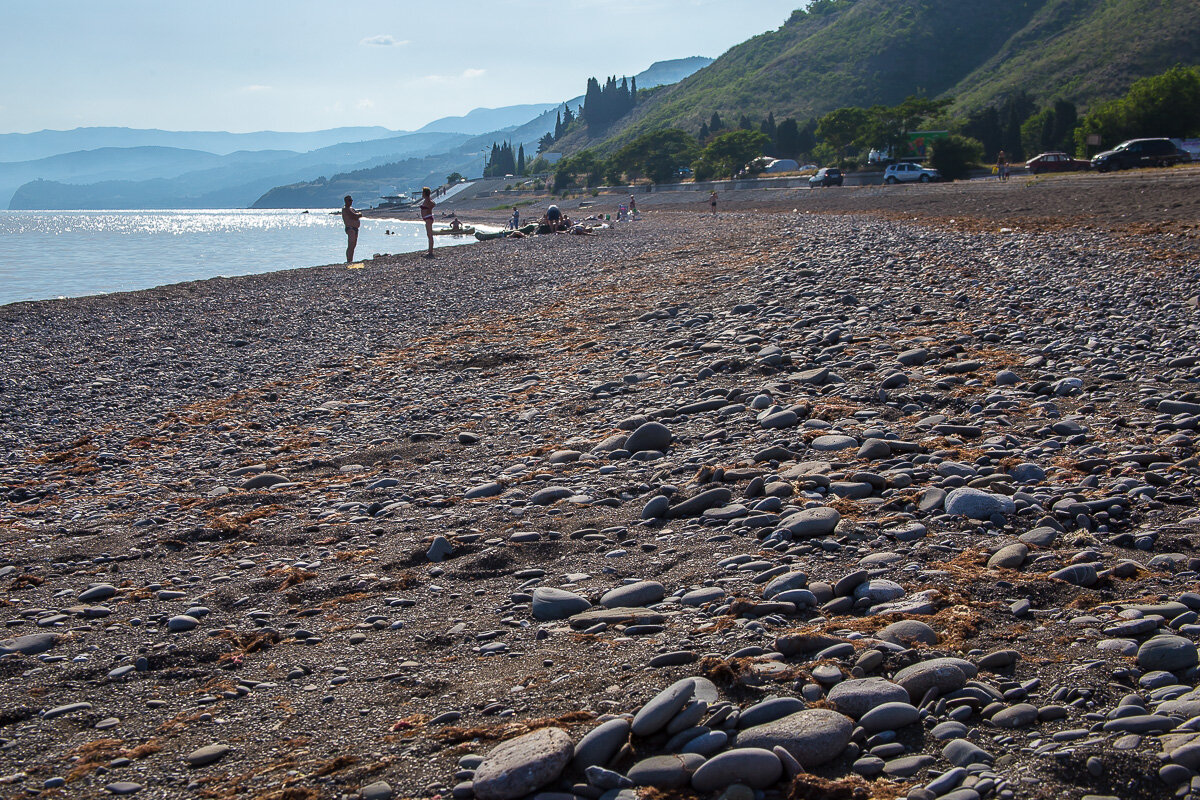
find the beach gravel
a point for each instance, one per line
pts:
(904, 496)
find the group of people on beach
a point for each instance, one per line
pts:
(553, 221)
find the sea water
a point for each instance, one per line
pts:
(54, 254)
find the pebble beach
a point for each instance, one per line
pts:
(832, 495)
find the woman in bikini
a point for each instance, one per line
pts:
(427, 206)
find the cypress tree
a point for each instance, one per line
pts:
(787, 139)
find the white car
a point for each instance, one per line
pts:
(904, 172)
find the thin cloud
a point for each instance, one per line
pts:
(384, 41)
(465, 75)
(256, 87)
(366, 103)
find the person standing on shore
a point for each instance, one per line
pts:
(427, 206)
(352, 219)
(515, 222)
(712, 201)
(1002, 166)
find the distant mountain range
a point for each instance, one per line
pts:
(157, 177)
(866, 52)
(131, 168)
(486, 120)
(32, 146)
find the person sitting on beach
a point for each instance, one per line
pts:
(427, 206)
(455, 225)
(351, 218)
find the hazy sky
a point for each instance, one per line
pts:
(302, 65)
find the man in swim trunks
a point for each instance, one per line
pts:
(352, 219)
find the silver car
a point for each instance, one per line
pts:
(905, 172)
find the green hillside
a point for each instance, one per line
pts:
(867, 52)
(1087, 51)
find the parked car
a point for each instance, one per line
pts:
(1189, 146)
(1056, 162)
(826, 176)
(782, 165)
(1138, 153)
(907, 172)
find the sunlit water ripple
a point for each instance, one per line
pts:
(49, 254)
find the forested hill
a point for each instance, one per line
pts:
(866, 52)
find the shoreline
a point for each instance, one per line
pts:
(85, 278)
(291, 532)
(1069, 199)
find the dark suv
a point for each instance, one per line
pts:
(1138, 153)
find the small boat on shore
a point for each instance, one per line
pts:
(484, 236)
(465, 230)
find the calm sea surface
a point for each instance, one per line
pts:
(49, 254)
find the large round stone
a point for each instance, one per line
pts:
(1010, 557)
(785, 583)
(263, 481)
(97, 593)
(550, 603)
(642, 593)
(522, 765)
(811, 522)
(650, 436)
(751, 766)
(206, 755)
(889, 717)
(695, 506)
(833, 441)
(1168, 653)
(30, 644)
(857, 697)
(907, 632)
(665, 772)
(814, 736)
(944, 674)
(599, 745)
(655, 715)
(976, 504)
(879, 590)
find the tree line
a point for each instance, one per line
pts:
(1161, 105)
(502, 161)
